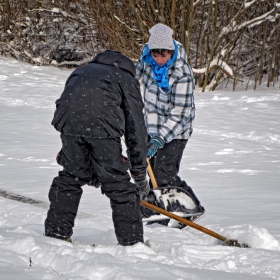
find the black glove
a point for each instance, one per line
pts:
(143, 185)
(156, 143)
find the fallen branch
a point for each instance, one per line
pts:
(223, 66)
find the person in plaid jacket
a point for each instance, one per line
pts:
(167, 85)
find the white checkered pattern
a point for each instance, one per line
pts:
(168, 115)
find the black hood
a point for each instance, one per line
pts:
(115, 58)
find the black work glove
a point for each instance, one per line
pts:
(143, 185)
(156, 143)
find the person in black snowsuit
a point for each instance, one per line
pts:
(101, 102)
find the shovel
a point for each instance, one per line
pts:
(230, 242)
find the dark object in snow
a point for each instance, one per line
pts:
(234, 243)
(22, 198)
(60, 237)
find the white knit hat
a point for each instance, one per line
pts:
(161, 37)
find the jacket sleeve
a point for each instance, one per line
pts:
(60, 114)
(135, 128)
(139, 66)
(139, 69)
(182, 112)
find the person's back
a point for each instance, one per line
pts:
(91, 104)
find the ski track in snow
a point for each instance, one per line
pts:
(232, 163)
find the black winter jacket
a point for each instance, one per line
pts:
(102, 100)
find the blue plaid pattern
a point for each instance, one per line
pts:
(171, 114)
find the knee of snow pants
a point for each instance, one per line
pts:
(125, 204)
(64, 195)
(166, 163)
(82, 158)
(124, 198)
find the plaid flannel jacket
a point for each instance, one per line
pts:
(168, 115)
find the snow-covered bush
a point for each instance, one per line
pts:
(226, 41)
(44, 32)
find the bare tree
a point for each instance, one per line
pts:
(43, 32)
(226, 41)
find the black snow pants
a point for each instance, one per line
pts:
(90, 161)
(166, 166)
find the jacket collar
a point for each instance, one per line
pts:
(116, 59)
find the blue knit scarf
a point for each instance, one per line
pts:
(160, 73)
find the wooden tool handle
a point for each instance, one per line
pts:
(151, 174)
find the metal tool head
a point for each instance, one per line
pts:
(235, 243)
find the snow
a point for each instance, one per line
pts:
(232, 162)
(215, 62)
(232, 27)
(248, 4)
(56, 10)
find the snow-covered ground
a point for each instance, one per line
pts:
(232, 162)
